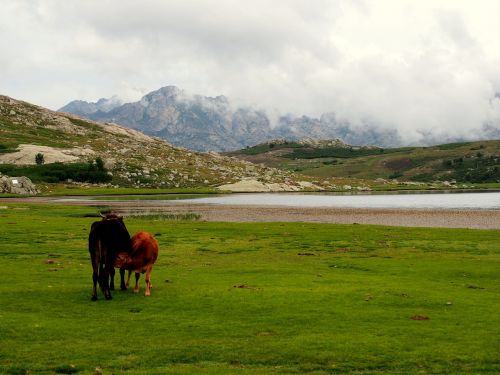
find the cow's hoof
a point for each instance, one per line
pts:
(136, 290)
(124, 288)
(93, 298)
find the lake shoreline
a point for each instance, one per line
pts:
(445, 218)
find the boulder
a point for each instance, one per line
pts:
(17, 185)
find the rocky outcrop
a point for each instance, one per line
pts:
(25, 154)
(17, 185)
(254, 186)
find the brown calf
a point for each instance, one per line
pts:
(140, 260)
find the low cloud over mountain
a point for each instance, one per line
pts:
(213, 123)
(216, 124)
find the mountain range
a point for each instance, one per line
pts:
(213, 124)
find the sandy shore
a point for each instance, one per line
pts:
(480, 219)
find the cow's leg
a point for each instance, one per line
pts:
(122, 279)
(104, 276)
(148, 281)
(137, 276)
(112, 277)
(95, 276)
(94, 288)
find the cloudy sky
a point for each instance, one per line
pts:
(424, 67)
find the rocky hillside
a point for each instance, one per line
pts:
(129, 157)
(213, 123)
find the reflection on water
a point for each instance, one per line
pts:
(483, 200)
(135, 197)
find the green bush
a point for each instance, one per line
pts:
(39, 159)
(395, 175)
(331, 152)
(423, 177)
(59, 172)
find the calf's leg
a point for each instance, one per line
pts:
(128, 278)
(148, 281)
(137, 276)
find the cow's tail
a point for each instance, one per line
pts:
(101, 259)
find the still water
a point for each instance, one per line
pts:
(428, 200)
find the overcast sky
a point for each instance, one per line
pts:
(421, 66)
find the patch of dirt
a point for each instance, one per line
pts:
(243, 286)
(265, 334)
(474, 287)
(343, 249)
(420, 317)
(399, 164)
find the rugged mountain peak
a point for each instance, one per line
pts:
(164, 92)
(165, 95)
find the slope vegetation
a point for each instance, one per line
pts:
(473, 162)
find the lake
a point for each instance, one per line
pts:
(424, 200)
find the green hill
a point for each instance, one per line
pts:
(467, 162)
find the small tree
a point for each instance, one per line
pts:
(99, 164)
(39, 159)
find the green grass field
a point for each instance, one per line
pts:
(261, 298)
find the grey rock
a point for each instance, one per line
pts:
(17, 185)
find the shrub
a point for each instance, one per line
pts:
(99, 163)
(39, 159)
(395, 175)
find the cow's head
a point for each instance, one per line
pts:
(111, 215)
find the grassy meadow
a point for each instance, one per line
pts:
(260, 298)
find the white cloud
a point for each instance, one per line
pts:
(423, 67)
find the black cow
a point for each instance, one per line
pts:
(107, 239)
